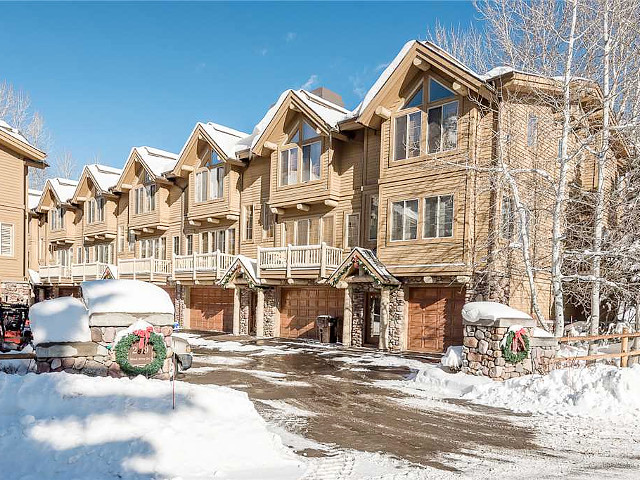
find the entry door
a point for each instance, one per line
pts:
(372, 324)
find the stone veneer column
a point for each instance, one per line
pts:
(347, 317)
(260, 313)
(270, 312)
(358, 316)
(245, 310)
(383, 342)
(398, 321)
(236, 311)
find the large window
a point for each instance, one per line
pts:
(176, 245)
(441, 122)
(153, 248)
(373, 218)
(6, 239)
(307, 231)
(189, 249)
(438, 216)
(309, 146)
(267, 221)
(103, 253)
(216, 240)
(404, 220)
(94, 210)
(145, 199)
(210, 182)
(56, 218)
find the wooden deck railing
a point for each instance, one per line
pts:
(144, 267)
(623, 355)
(204, 263)
(54, 273)
(301, 257)
(88, 271)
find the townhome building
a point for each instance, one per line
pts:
(16, 156)
(386, 218)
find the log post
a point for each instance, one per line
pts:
(236, 311)
(347, 318)
(624, 348)
(383, 342)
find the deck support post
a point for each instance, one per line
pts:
(383, 342)
(236, 311)
(347, 318)
(260, 313)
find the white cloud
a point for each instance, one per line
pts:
(358, 86)
(291, 36)
(382, 66)
(311, 82)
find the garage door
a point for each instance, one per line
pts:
(300, 307)
(435, 318)
(211, 308)
(172, 293)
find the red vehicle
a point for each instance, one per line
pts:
(15, 332)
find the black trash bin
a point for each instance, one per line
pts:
(327, 327)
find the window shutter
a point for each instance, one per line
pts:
(314, 231)
(6, 239)
(327, 230)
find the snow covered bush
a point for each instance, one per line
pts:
(63, 319)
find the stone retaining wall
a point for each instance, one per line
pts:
(97, 357)
(482, 352)
(16, 292)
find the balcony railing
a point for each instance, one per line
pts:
(304, 257)
(88, 271)
(202, 264)
(144, 268)
(55, 273)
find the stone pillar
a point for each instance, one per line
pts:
(347, 317)
(245, 310)
(270, 323)
(358, 316)
(398, 320)
(383, 343)
(236, 311)
(260, 313)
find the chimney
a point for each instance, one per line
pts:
(328, 95)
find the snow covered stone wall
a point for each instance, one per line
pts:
(485, 334)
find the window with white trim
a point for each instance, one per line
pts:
(189, 245)
(87, 255)
(121, 238)
(532, 130)
(404, 220)
(94, 210)
(145, 198)
(56, 218)
(442, 131)
(176, 245)
(438, 216)
(268, 221)
(6, 239)
(209, 183)
(132, 241)
(248, 222)
(508, 219)
(308, 148)
(408, 128)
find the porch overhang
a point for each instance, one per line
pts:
(362, 260)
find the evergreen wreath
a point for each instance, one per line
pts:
(122, 353)
(518, 351)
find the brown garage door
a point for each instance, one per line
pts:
(171, 291)
(300, 307)
(69, 292)
(435, 318)
(211, 308)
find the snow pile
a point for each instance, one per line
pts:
(62, 319)
(125, 296)
(474, 311)
(596, 391)
(18, 366)
(438, 383)
(452, 358)
(83, 427)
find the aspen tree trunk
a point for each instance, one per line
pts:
(602, 159)
(558, 208)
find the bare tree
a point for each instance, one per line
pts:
(65, 165)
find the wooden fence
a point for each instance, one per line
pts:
(623, 355)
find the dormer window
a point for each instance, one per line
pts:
(210, 181)
(145, 195)
(308, 144)
(440, 122)
(94, 210)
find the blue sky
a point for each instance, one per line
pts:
(107, 77)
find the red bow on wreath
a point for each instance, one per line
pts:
(144, 335)
(518, 338)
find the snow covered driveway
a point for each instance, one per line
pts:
(62, 426)
(363, 415)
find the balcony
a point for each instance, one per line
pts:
(201, 266)
(304, 261)
(88, 271)
(55, 273)
(147, 269)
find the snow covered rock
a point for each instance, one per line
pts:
(452, 358)
(63, 319)
(472, 312)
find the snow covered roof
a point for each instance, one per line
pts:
(15, 134)
(224, 137)
(125, 296)
(157, 161)
(33, 198)
(329, 112)
(105, 177)
(64, 188)
(62, 319)
(241, 264)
